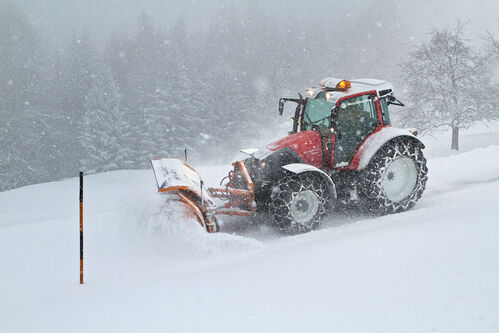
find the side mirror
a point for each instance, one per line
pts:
(281, 106)
(392, 100)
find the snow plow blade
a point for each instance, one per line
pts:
(182, 183)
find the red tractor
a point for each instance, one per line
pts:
(342, 151)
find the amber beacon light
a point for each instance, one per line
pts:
(343, 85)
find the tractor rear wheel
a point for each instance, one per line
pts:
(395, 178)
(298, 202)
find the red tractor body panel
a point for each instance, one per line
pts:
(307, 144)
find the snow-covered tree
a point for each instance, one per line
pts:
(448, 84)
(158, 125)
(491, 54)
(104, 129)
(21, 92)
(76, 66)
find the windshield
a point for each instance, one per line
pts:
(317, 113)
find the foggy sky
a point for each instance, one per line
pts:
(101, 17)
(100, 85)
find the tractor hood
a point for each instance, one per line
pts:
(307, 144)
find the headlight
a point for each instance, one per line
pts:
(329, 95)
(310, 92)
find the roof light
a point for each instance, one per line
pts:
(343, 85)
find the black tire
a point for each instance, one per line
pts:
(378, 195)
(298, 202)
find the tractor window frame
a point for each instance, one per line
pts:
(350, 134)
(385, 112)
(325, 122)
(370, 95)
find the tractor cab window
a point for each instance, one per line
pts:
(358, 115)
(357, 118)
(384, 110)
(317, 114)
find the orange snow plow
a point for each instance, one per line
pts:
(182, 183)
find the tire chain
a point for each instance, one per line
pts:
(377, 200)
(283, 193)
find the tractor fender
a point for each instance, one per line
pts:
(299, 168)
(377, 140)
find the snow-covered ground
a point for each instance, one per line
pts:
(434, 268)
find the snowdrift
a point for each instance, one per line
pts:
(433, 268)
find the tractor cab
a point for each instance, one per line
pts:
(344, 113)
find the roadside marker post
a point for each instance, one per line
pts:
(81, 227)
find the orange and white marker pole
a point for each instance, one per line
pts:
(81, 227)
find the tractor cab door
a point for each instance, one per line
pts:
(356, 119)
(317, 117)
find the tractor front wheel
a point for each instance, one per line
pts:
(395, 178)
(297, 203)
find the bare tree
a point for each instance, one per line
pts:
(449, 85)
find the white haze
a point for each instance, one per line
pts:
(105, 85)
(102, 17)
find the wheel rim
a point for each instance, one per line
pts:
(303, 206)
(399, 179)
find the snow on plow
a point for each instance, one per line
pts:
(180, 182)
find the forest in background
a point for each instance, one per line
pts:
(152, 90)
